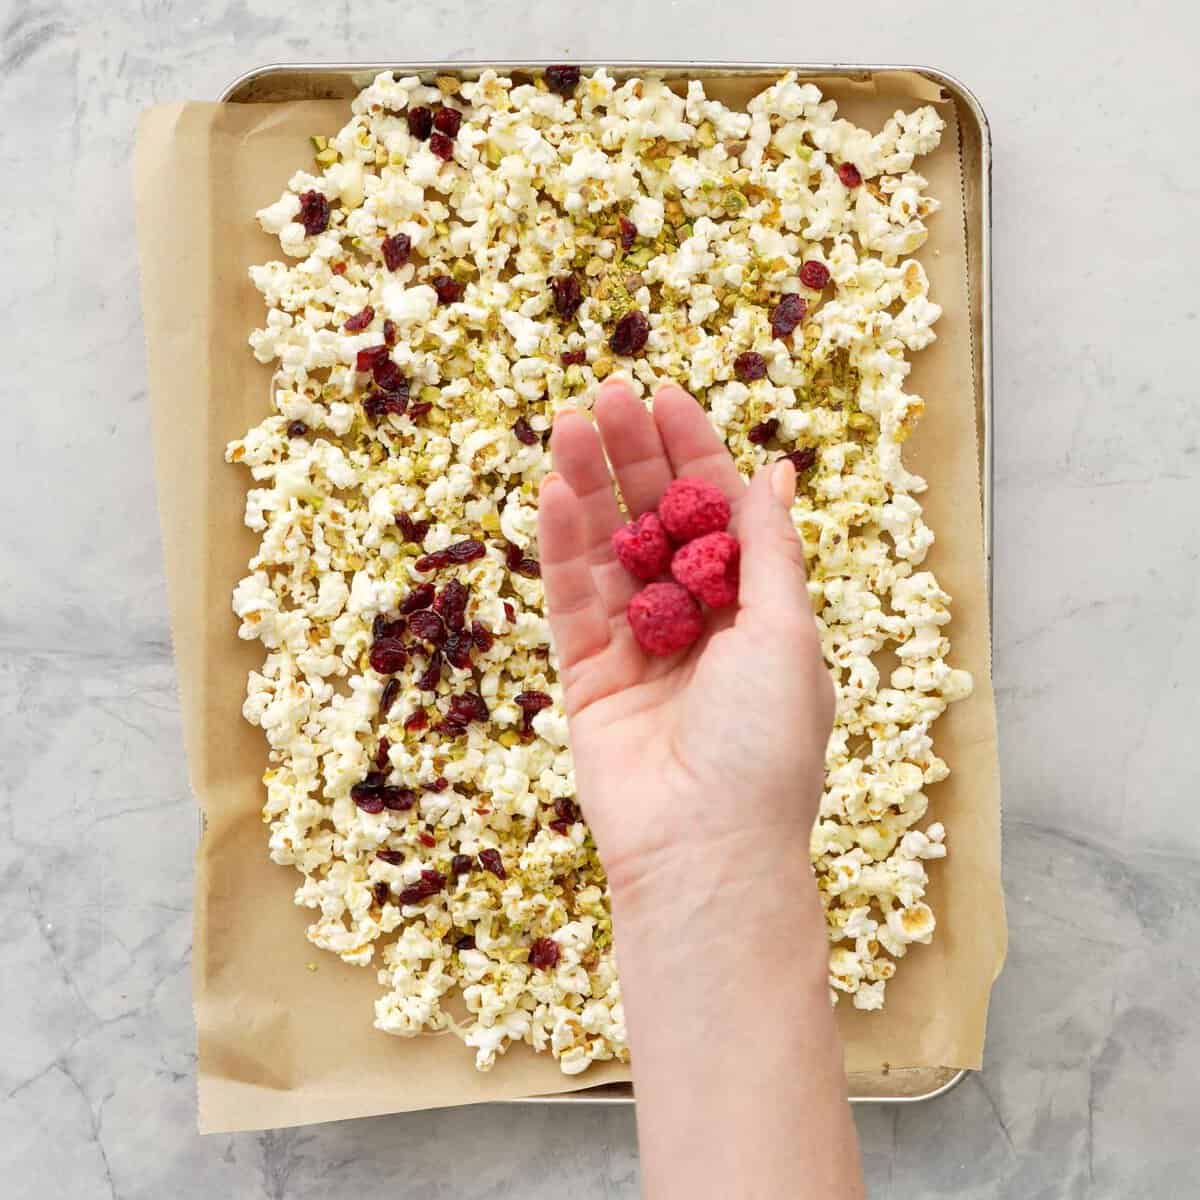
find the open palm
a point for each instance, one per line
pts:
(725, 740)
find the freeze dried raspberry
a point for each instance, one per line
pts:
(360, 320)
(396, 250)
(787, 314)
(750, 366)
(642, 547)
(691, 507)
(420, 122)
(664, 618)
(314, 213)
(708, 568)
(814, 274)
(848, 174)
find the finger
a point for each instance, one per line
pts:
(578, 619)
(773, 578)
(633, 446)
(579, 457)
(691, 443)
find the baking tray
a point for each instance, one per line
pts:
(279, 82)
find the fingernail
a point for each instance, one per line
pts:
(550, 477)
(783, 482)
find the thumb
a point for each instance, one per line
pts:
(772, 573)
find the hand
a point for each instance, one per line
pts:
(684, 760)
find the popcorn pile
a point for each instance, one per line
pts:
(467, 259)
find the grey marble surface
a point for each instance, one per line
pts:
(1093, 1077)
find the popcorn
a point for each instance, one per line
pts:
(411, 489)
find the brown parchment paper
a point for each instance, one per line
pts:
(280, 1044)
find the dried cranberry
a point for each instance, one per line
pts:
(451, 603)
(566, 809)
(467, 941)
(512, 555)
(388, 656)
(390, 692)
(573, 358)
(440, 784)
(314, 213)
(380, 404)
(510, 612)
(482, 636)
(419, 410)
(530, 704)
(390, 332)
(426, 839)
(490, 860)
(413, 531)
(543, 954)
(458, 650)
(296, 429)
(459, 552)
(395, 857)
(750, 366)
(628, 233)
(562, 79)
(763, 432)
(530, 568)
(416, 721)
(360, 320)
(451, 727)
(468, 706)
(448, 291)
(460, 864)
(525, 433)
(448, 121)
(420, 597)
(432, 675)
(848, 174)
(381, 751)
(814, 274)
(381, 892)
(427, 626)
(561, 826)
(389, 378)
(630, 334)
(442, 146)
(338, 268)
(430, 883)
(420, 122)
(366, 796)
(788, 313)
(367, 360)
(396, 250)
(804, 459)
(397, 799)
(568, 294)
(382, 627)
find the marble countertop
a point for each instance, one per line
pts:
(1093, 1071)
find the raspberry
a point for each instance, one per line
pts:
(690, 508)
(664, 618)
(708, 568)
(642, 547)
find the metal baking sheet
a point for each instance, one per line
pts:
(279, 82)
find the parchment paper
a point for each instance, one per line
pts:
(280, 1044)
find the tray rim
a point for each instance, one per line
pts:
(962, 94)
